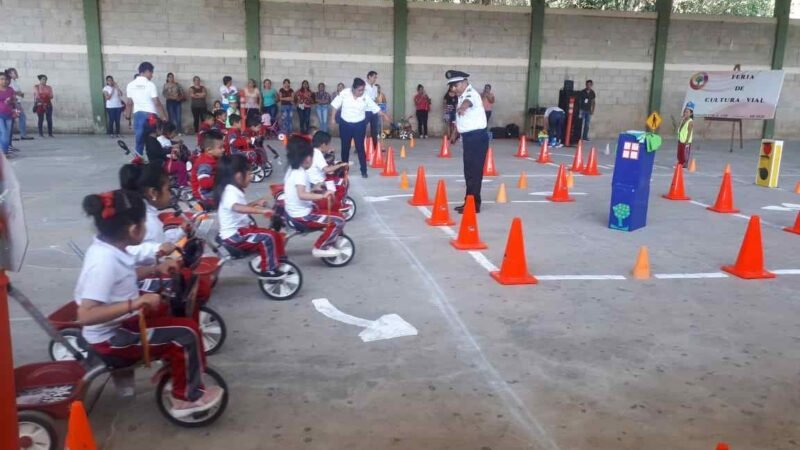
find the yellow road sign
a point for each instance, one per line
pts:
(654, 121)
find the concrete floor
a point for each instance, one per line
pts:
(566, 364)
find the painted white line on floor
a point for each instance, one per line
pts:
(551, 193)
(699, 203)
(20, 319)
(517, 408)
(786, 271)
(384, 198)
(676, 276)
(579, 277)
(483, 261)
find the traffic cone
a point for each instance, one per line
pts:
(577, 161)
(796, 228)
(797, 188)
(79, 432)
(692, 166)
(523, 181)
(591, 166)
(377, 147)
(676, 191)
(502, 197)
(404, 180)
(514, 269)
(403, 152)
(284, 140)
(468, 236)
(489, 170)
(728, 168)
(641, 270)
(570, 180)
(560, 189)
(750, 262)
(368, 150)
(420, 197)
(522, 148)
(377, 158)
(544, 154)
(722, 446)
(389, 169)
(444, 151)
(724, 203)
(412, 142)
(440, 215)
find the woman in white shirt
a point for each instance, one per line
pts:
(113, 95)
(299, 200)
(353, 123)
(109, 303)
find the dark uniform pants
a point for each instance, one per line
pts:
(476, 144)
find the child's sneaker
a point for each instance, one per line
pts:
(273, 274)
(324, 252)
(212, 395)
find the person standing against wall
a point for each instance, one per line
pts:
(371, 91)
(226, 90)
(323, 101)
(685, 135)
(354, 104)
(471, 123)
(286, 97)
(8, 100)
(487, 97)
(113, 96)
(43, 104)
(449, 116)
(304, 99)
(21, 122)
(422, 103)
(198, 94)
(586, 101)
(338, 114)
(269, 100)
(383, 104)
(252, 100)
(174, 94)
(142, 103)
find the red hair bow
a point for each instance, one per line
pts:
(108, 205)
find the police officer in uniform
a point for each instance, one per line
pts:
(471, 124)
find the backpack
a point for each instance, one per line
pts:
(512, 130)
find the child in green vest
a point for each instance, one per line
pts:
(685, 132)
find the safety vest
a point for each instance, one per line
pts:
(683, 134)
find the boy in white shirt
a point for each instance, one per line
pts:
(300, 198)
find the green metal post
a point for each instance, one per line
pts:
(535, 54)
(782, 8)
(94, 52)
(664, 11)
(399, 66)
(252, 25)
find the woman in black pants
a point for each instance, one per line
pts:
(198, 94)
(353, 122)
(423, 105)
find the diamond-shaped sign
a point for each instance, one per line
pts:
(653, 121)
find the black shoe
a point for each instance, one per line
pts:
(273, 275)
(27, 138)
(15, 139)
(364, 175)
(459, 209)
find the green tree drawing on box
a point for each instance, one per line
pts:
(621, 211)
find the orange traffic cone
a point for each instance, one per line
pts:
(523, 181)
(641, 270)
(377, 158)
(79, 432)
(284, 139)
(420, 197)
(722, 446)
(570, 180)
(577, 161)
(404, 180)
(522, 148)
(544, 154)
(728, 168)
(388, 169)
(502, 197)
(444, 151)
(560, 189)
(750, 262)
(468, 236)
(796, 228)
(724, 203)
(368, 150)
(591, 166)
(676, 191)
(411, 142)
(692, 166)
(514, 269)
(797, 188)
(440, 215)
(402, 152)
(489, 170)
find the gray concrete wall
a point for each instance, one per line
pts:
(336, 40)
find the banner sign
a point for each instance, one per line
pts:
(735, 95)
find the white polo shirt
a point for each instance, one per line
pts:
(371, 91)
(114, 101)
(354, 109)
(144, 254)
(316, 173)
(108, 275)
(142, 91)
(295, 206)
(225, 92)
(229, 220)
(474, 117)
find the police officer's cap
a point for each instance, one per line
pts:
(454, 76)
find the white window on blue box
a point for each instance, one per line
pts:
(631, 150)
